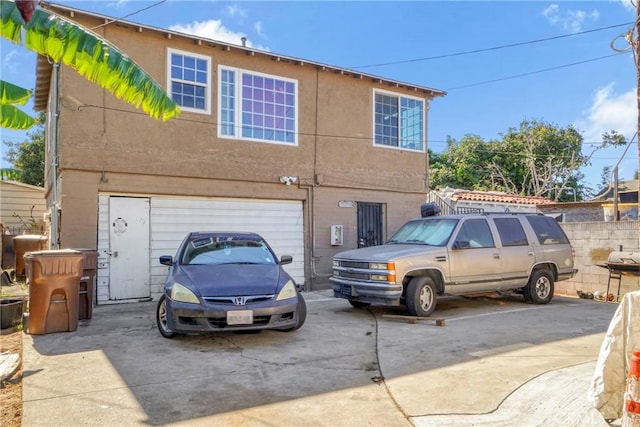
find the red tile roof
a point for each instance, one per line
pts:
(492, 196)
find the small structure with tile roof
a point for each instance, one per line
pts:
(453, 200)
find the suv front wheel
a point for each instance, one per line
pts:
(539, 290)
(421, 296)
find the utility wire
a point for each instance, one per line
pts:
(469, 52)
(535, 72)
(344, 137)
(130, 14)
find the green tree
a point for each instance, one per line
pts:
(536, 159)
(462, 164)
(28, 157)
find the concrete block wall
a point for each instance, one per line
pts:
(593, 242)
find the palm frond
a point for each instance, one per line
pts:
(92, 57)
(12, 94)
(9, 174)
(13, 118)
(10, 22)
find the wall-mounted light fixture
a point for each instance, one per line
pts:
(288, 180)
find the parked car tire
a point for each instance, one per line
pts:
(161, 318)
(302, 314)
(421, 296)
(358, 304)
(540, 288)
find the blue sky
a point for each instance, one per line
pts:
(488, 91)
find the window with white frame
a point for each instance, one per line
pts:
(399, 121)
(257, 107)
(189, 80)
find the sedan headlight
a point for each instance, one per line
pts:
(288, 291)
(183, 294)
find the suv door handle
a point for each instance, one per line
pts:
(496, 256)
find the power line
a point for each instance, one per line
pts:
(469, 52)
(344, 137)
(130, 14)
(534, 72)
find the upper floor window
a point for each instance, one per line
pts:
(257, 106)
(399, 121)
(189, 77)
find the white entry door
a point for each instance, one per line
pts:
(129, 248)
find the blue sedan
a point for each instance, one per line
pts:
(227, 282)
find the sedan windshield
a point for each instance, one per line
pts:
(210, 251)
(433, 232)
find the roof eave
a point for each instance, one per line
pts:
(71, 12)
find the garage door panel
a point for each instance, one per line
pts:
(279, 222)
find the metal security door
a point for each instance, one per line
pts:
(370, 224)
(129, 263)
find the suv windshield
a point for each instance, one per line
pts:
(433, 232)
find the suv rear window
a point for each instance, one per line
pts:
(547, 230)
(511, 232)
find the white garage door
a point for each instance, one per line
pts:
(279, 222)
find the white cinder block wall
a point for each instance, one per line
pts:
(593, 242)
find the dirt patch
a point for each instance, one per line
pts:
(11, 388)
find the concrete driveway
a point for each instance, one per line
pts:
(496, 361)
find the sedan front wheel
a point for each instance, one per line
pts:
(161, 318)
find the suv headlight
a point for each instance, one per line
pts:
(382, 266)
(183, 294)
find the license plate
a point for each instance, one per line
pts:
(347, 290)
(240, 317)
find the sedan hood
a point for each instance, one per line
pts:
(233, 279)
(385, 252)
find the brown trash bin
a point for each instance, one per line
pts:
(53, 277)
(87, 283)
(8, 254)
(23, 244)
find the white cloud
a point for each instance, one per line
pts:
(258, 29)
(214, 30)
(571, 20)
(629, 4)
(235, 11)
(609, 111)
(14, 61)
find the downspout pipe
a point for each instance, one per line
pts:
(54, 239)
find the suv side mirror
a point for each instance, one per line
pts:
(461, 244)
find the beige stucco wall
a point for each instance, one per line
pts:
(397, 209)
(108, 146)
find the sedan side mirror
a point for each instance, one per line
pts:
(286, 259)
(166, 260)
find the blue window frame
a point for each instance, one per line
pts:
(257, 106)
(190, 81)
(399, 121)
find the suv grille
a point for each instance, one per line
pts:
(352, 275)
(354, 264)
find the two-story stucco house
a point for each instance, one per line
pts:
(315, 158)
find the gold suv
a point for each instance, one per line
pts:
(457, 255)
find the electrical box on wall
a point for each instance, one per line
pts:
(336, 235)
